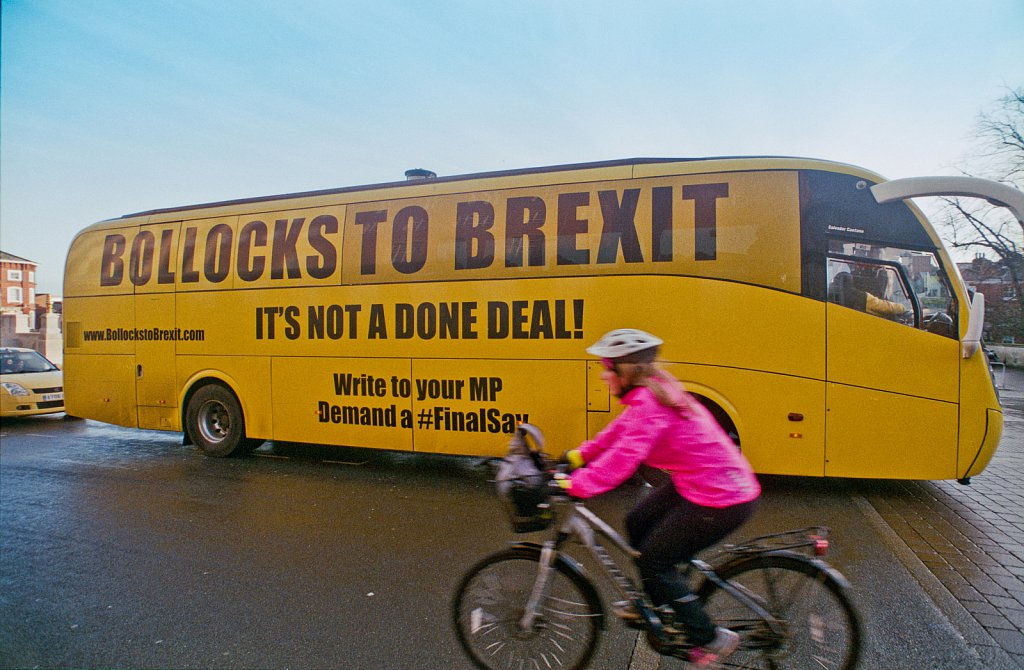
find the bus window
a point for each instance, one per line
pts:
(887, 274)
(938, 306)
(869, 287)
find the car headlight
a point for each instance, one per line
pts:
(15, 389)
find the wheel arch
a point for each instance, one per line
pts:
(720, 407)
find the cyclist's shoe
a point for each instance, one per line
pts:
(725, 643)
(625, 610)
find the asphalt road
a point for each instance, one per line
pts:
(122, 549)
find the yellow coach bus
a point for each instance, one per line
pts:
(808, 303)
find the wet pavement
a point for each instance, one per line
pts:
(965, 544)
(119, 548)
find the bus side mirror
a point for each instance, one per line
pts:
(976, 320)
(940, 323)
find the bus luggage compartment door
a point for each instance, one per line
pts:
(891, 398)
(155, 361)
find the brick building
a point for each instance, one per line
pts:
(28, 319)
(1004, 318)
(17, 284)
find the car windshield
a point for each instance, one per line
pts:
(18, 362)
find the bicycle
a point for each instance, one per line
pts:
(534, 606)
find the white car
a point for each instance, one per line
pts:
(29, 384)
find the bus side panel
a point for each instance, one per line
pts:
(98, 263)
(887, 435)
(872, 352)
(99, 358)
(596, 421)
(359, 402)
(980, 428)
(599, 396)
(438, 405)
(601, 407)
(780, 419)
(99, 310)
(725, 324)
(990, 440)
(101, 387)
(761, 351)
(470, 406)
(247, 376)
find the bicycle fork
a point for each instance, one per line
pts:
(541, 586)
(582, 525)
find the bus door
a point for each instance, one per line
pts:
(892, 365)
(155, 334)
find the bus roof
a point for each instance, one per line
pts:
(773, 162)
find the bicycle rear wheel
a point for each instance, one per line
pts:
(819, 627)
(490, 601)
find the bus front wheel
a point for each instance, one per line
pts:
(215, 422)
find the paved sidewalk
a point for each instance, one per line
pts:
(968, 541)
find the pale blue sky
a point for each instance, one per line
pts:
(109, 107)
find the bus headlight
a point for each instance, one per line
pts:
(15, 389)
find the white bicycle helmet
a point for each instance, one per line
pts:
(623, 342)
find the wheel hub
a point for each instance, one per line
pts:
(214, 422)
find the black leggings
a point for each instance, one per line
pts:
(667, 529)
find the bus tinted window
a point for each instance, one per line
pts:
(898, 284)
(868, 287)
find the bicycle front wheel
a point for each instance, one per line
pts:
(818, 626)
(490, 602)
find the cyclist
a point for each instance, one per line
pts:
(711, 492)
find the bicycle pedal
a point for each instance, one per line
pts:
(669, 645)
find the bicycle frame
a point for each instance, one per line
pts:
(577, 522)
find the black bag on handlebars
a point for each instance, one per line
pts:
(522, 482)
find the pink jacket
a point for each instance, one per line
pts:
(706, 467)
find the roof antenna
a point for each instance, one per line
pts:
(419, 173)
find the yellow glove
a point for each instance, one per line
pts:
(574, 458)
(563, 481)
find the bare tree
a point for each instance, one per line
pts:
(992, 230)
(1002, 130)
(1000, 156)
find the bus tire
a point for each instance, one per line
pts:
(215, 422)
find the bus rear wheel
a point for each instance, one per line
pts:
(216, 424)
